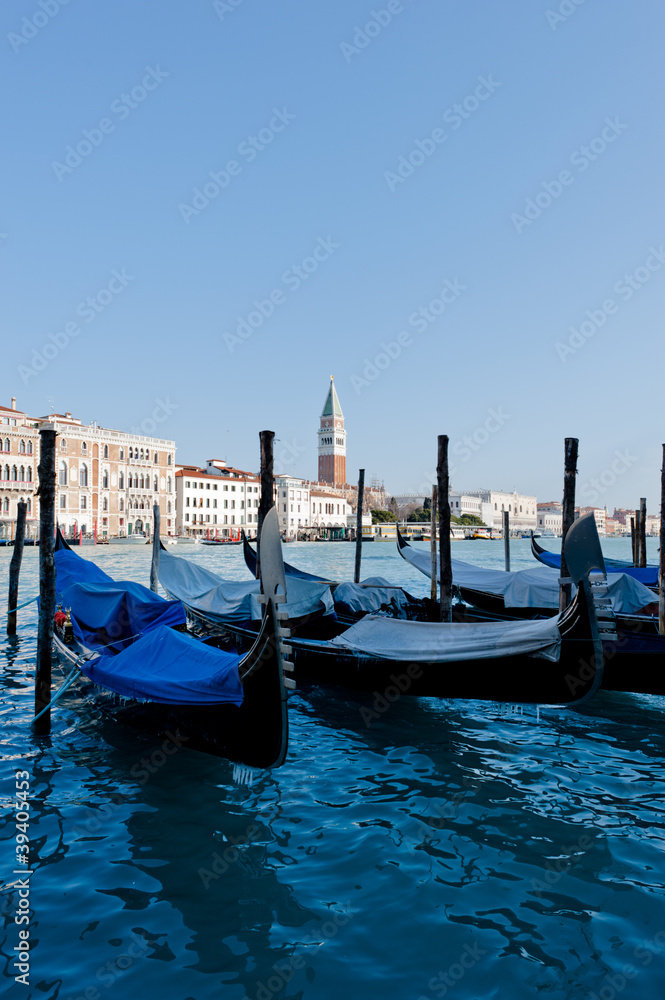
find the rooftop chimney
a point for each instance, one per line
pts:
(13, 402)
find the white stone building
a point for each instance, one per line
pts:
(217, 501)
(521, 507)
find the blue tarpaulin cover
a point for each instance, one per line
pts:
(160, 665)
(647, 575)
(104, 610)
(170, 668)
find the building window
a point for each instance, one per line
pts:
(29, 505)
(214, 519)
(131, 453)
(105, 504)
(121, 455)
(21, 447)
(168, 460)
(187, 484)
(63, 444)
(156, 459)
(62, 474)
(207, 501)
(226, 519)
(187, 517)
(168, 484)
(8, 446)
(83, 475)
(105, 479)
(226, 502)
(21, 474)
(186, 501)
(121, 480)
(83, 503)
(63, 502)
(208, 518)
(29, 477)
(5, 505)
(122, 504)
(106, 451)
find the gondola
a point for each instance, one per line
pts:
(557, 660)
(148, 672)
(221, 541)
(647, 575)
(251, 563)
(634, 651)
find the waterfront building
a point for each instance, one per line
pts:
(463, 503)
(106, 480)
(521, 507)
(292, 499)
(599, 514)
(549, 516)
(19, 457)
(216, 501)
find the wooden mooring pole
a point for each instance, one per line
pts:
(46, 473)
(633, 536)
(359, 524)
(267, 500)
(506, 540)
(154, 565)
(15, 567)
(638, 531)
(643, 532)
(569, 473)
(445, 567)
(432, 544)
(661, 554)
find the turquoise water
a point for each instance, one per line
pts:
(465, 850)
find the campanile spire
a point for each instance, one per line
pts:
(332, 440)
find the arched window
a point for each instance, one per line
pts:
(105, 504)
(156, 458)
(63, 444)
(105, 479)
(168, 485)
(62, 474)
(142, 454)
(8, 446)
(168, 507)
(142, 482)
(14, 474)
(84, 447)
(141, 505)
(131, 453)
(21, 447)
(29, 474)
(5, 505)
(122, 504)
(29, 505)
(122, 454)
(29, 447)
(168, 460)
(155, 484)
(83, 475)
(21, 474)
(121, 480)
(6, 475)
(106, 451)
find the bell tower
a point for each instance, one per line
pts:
(332, 441)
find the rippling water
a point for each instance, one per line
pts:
(455, 849)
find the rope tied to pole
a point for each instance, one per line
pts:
(24, 605)
(67, 683)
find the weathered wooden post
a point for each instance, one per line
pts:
(568, 514)
(359, 524)
(506, 540)
(643, 532)
(661, 554)
(46, 473)
(633, 537)
(15, 568)
(432, 544)
(154, 566)
(445, 567)
(267, 499)
(638, 530)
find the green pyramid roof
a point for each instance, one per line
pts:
(331, 406)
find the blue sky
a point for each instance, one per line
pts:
(445, 300)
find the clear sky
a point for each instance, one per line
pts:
(426, 199)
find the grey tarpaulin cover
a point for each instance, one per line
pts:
(436, 642)
(231, 600)
(533, 588)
